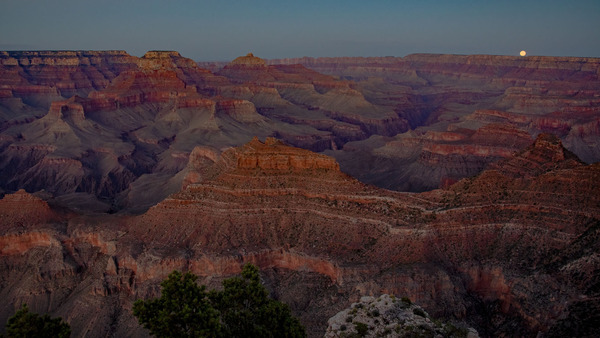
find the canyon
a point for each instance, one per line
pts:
(97, 129)
(468, 184)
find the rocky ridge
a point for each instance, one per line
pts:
(388, 316)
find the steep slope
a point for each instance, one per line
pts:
(501, 250)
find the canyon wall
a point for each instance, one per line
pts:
(512, 251)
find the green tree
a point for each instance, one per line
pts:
(28, 324)
(183, 310)
(242, 309)
(248, 311)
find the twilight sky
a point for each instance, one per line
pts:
(207, 30)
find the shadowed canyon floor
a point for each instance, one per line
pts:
(512, 251)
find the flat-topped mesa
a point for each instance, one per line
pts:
(248, 60)
(275, 156)
(43, 76)
(161, 54)
(157, 59)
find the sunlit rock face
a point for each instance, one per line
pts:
(511, 251)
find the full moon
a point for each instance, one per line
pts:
(523, 53)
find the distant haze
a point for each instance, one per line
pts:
(222, 30)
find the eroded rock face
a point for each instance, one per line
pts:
(121, 122)
(410, 124)
(505, 253)
(511, 249)
(248, 60)
(31, 75)
(275, 156)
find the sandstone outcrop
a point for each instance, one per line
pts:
(143, 117)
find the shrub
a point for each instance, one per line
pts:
(419, 312)
(361, 328)
(453, 331)
(28, 324)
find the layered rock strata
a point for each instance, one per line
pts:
(510, 251)
(83, 121)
